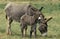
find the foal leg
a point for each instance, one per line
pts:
(9, 26)
(33, 29)
(31, 32)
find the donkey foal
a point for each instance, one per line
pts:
(43, 26)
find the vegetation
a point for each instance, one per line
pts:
(51, 8)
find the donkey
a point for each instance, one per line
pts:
(43, 26)
(15, 11)
(29, 20)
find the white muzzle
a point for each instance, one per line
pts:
(44, 34)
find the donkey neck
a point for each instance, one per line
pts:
(35, 17)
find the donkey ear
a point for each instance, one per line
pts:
(31, 10)
(48, 19)
(41, 8)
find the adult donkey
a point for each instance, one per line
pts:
(15, 11)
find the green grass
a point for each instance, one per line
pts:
(50, 9)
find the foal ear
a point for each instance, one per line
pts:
(41, 8)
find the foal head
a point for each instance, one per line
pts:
(43, 26)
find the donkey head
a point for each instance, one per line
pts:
(43, 26)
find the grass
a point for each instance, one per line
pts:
(50, 9)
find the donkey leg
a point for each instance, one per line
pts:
(22, 30)
(25, 30)
(9, 26)
(34, 29)
(31, 31)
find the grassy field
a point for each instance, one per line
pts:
(50, 9)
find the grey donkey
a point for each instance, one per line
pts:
(15, 11)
